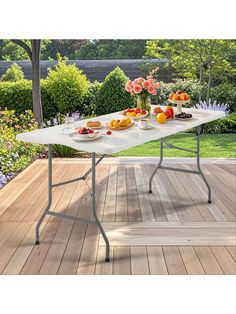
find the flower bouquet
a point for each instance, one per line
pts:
(143, 89)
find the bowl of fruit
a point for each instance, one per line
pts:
(85, 134)
(135, 113)
(179, 98)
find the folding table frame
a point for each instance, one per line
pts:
(92, 170)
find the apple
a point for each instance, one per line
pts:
(180, 91)
(171, 109)
(167, 113)
(143, 111)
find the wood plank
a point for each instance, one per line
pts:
(217, 208)
(37, 256)
(53, 259)
(121, 195)
(9, 248)
(224, 259)
(184, 199)
(157, 207)
(163, 194)
(188, 182)
(180, 203)
(13, 201)
(110, 202)
(102, 267)
(232, 251)
(139, 261)
(89, 252)
(191, 261)
(226, 178)
(6, 228)
(121, 262)
(169, 225)
(21, 254)
(226, 196)
(144, 201)
(134, 236)
(156, 261)
(208, 261)
(134, 212)
(174, 261)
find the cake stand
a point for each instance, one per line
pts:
(179, 103)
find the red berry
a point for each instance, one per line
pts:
(91, 131)
(109, 132)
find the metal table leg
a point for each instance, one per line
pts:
(107, 258)
(157, 167)
(198, 164)
(197, 152)
(49, 193)
(93, 195)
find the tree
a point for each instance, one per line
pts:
(211, 62)
(33, 51)
(65, 47)
(112, 49)
(12, 52)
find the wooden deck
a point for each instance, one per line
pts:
(172, 231)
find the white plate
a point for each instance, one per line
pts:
(77, 138)
(147, 128)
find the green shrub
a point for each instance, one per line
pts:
(13, 73)
(64, 151)
(225, 93)
(18, 96)
(91, 98)
(113, 96)
(67, 87)
(224, 125)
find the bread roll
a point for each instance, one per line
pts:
(93, 124)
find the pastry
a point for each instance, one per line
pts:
(94, 124)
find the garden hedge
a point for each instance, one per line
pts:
(113, 96)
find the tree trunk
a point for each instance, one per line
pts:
(36, 90)
(210, 70)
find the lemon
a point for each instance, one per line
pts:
(132, 114)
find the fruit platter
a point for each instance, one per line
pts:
(168, 111)
(135, 113)
(118, 125)
(179, 98)
(85, 134)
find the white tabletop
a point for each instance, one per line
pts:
(119, 140)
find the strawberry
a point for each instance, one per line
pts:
(109, 132)
(143, 111)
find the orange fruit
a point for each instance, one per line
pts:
(132, 114)
(161, 118)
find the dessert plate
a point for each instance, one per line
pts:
(85, 138)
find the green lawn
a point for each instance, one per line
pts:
(212, 146)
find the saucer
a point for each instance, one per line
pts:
(147, 127)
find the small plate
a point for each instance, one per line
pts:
(136, 117)
(84, 138)
(146, 128)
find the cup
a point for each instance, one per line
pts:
(69, 124)
(144, 123)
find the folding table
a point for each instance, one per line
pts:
(110, 144)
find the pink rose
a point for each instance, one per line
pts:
(151, 90)
(139, 80)
(137, 89)
(157, 85)
(132, 92)
(128, 86)
(146, 84)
